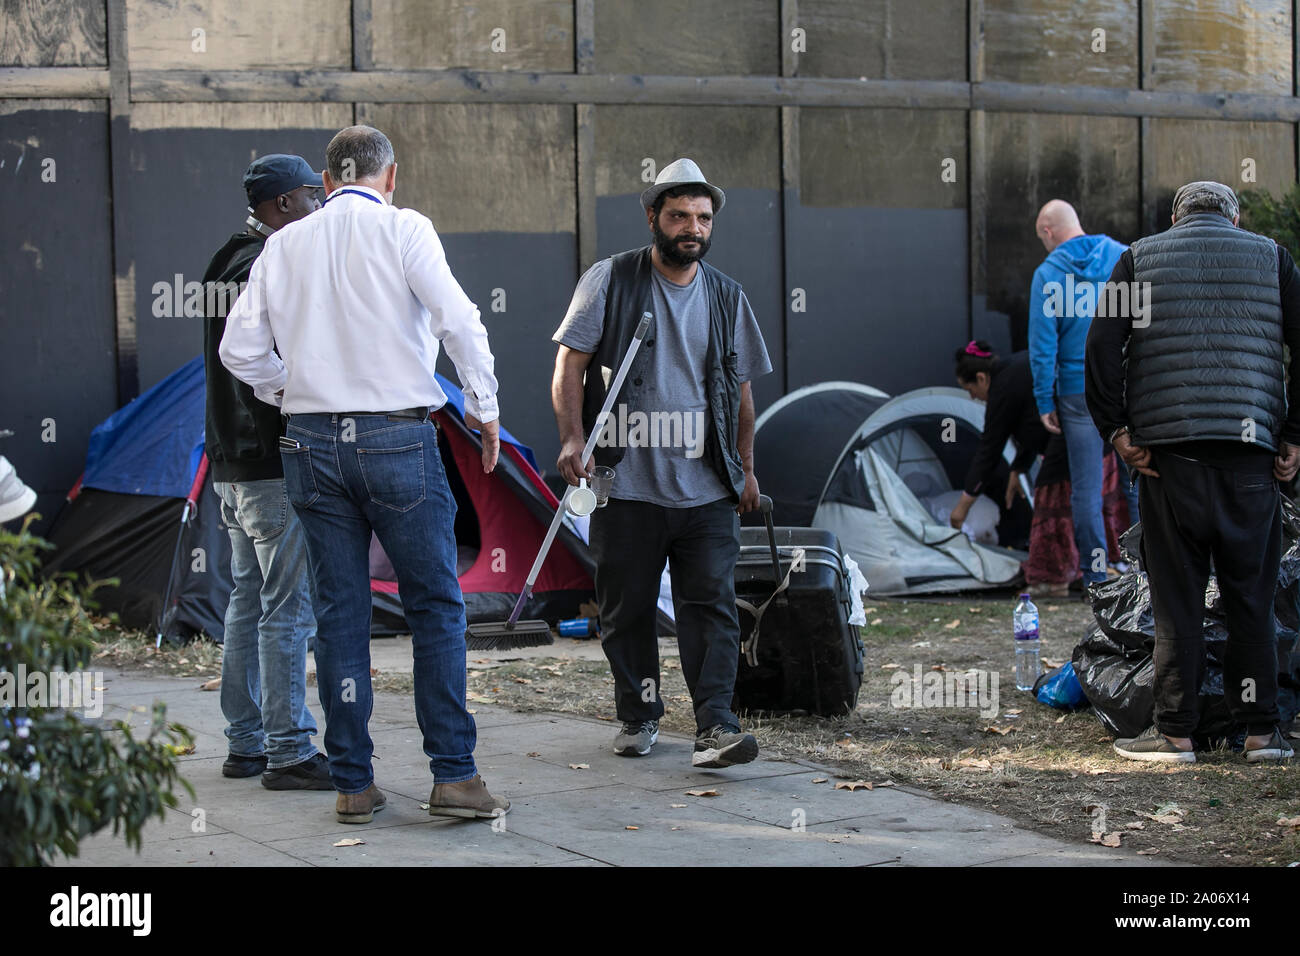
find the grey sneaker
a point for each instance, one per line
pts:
(723, 746)
(636, 738)
(1276, 749)
(1151, 744)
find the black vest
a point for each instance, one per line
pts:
(1209, 363)
(627, 297)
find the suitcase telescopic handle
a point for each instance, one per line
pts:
(765, 506)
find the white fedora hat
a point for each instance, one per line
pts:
(681, 172)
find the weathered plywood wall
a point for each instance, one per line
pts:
(881, 196)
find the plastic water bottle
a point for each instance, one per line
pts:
(1027, 643)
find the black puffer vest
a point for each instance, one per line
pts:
(1209, 363)
(626, 298)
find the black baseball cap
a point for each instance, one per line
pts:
(275, 174)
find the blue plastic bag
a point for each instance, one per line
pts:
(1060, 689)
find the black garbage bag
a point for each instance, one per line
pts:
(1113, 661)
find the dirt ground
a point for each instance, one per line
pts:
(1051, 771)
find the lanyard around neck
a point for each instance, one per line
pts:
(352, 192)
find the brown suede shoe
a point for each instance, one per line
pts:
(360, 807)
(469, 798)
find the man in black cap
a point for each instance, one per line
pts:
(1184, 375)
(677, 492)
(270, 619)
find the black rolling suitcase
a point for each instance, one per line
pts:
(806, 656)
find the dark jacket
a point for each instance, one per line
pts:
(1011, 412)
(1208, 360)
(242, 433)
(627, 297)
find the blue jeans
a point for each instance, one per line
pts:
(353, 474)
(268, 623)
(1128, 480)
(1085, 447)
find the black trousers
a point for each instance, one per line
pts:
(630, 541)
(1194, 512)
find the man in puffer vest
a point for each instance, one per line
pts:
(1185, 377)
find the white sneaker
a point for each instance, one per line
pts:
(16, 499)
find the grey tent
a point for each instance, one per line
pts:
(885, 491)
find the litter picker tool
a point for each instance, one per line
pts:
(514, 632)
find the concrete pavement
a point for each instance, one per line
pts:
(613, 811)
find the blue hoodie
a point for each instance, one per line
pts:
(1059, 315)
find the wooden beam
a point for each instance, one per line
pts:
(976, 169)
(468, 86)
(53, 83)
(1102, 101)
(119, 150)
(363, 39)
(789, 179)
(1146, 149)
(584, 127)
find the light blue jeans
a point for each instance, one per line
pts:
(268, 624)
(1085, 447)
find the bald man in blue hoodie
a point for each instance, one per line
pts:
(1062, 302)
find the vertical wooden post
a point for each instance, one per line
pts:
(789, 178)
(363, 46)
(584, 52)
(976, 168)
(1146, 150)
(119, 132)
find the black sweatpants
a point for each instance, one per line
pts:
(1194, 512)
(630, 541)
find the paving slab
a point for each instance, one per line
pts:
(766, 812)
(429, 842)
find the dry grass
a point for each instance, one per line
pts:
(1052, 772)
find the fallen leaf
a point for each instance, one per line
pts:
(1049, 664)
(350, 841)
(479, 697)
(522, 680)
(923, 643)
(939, 667)
(1293, 822)
(1151, 852)
(1109, 839)
(214, 684)
(475, 674)
(820, 779)
(470, 710)
(534, 753)
(1061, 720)
(180, 751)
(677, 806)
(868, 610)
(1135, 825)
(888, 667)
(970, 763)
(374, 672)
(1013, 713)
(885, 783)
(854, 785)
(956, 622)
(1002, 731)
(879, 620)
(631, 828)
(579, 766)
(701, 793)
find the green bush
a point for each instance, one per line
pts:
(64, 776)
(1279, 219)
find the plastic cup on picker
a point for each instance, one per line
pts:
(602, 483)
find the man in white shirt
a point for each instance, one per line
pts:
(357, 299)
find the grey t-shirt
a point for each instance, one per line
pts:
(663, 463)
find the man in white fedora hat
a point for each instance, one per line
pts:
(679, 483)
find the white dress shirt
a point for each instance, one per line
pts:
(356, 297)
